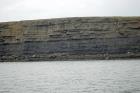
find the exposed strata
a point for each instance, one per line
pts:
(70, 39)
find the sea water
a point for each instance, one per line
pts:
(102, 76)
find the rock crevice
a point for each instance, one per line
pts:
(70, 39)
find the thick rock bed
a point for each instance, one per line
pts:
(79, 38)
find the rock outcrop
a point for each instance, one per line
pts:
(70, 39)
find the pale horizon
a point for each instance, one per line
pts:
(17, 10)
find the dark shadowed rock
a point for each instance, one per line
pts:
(70, 39)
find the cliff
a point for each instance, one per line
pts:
(70, 39)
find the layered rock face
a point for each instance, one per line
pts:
(70, 39)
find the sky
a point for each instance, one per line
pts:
(16, 10)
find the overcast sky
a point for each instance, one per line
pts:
(15, 10)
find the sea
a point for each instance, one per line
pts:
(96, 76)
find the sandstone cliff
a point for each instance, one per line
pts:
(70, 39)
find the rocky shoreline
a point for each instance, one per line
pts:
(79, 38)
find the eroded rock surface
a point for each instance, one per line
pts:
(70, 39)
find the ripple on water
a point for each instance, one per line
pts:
(71, 77)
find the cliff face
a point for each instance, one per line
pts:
(70, 39)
